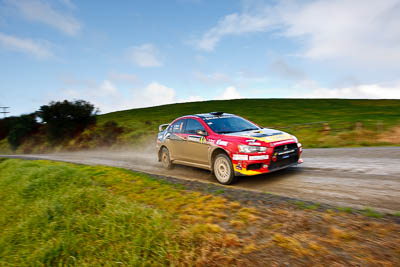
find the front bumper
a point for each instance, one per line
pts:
(275, 160)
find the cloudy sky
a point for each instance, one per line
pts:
(127, 54)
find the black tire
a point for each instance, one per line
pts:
(165, 159)
(223, 169)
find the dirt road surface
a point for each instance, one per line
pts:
(344, 177)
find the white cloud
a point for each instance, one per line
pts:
(39, 49)
(40, 11)
(233, 24)
(364, 91)
(108, 97)
(155, 94)
(347, 29)
(338, 29)
(108, 88)
(230, 93)
(146, 55)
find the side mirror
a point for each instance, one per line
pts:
(201, 132)
(162, 127)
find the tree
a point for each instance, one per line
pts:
(65, 119)
(5, 126)
(20, 128)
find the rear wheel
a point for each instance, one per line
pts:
(223, 169)
(165, 159)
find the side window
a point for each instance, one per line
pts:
(192, 126)
(177, 127)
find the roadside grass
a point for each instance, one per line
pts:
(303, 205)
(219, 191)
(397, 214)
(371, 213)
(56, 214)
(345, 209)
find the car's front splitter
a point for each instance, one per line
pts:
(244, 172)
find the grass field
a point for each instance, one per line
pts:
(56, 214)
(374, 118)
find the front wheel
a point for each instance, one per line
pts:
(165, 159)
(223, 169)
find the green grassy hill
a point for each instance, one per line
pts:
(374, 117)
(270, 111)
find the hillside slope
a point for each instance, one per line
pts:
(317, 122)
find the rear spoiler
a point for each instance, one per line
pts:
(161, 127)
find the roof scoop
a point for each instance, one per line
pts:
(217, 113)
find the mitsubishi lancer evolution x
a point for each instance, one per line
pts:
(226, 144)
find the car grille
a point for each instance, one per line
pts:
(286, 155)
(288, 147)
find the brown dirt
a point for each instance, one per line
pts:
(392, 136)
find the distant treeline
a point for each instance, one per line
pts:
(57, 121)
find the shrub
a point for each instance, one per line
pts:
(65, 119)
(20, 128)
(110, 132)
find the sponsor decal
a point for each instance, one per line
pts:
(261, 157)
(197, 139)
(275, 138)
(210, 141)
(240, 157)
(239, 166)
(221, 143)
(219, 117)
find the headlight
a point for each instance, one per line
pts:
(251, 149)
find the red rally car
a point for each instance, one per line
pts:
(226, 144)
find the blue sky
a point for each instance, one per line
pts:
(128, 54)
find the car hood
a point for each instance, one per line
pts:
(265, 135)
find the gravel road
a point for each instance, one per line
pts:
(348, 177)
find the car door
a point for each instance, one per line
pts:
(196, 147)
(175, 140)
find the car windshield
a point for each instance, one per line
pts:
(230, 124)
